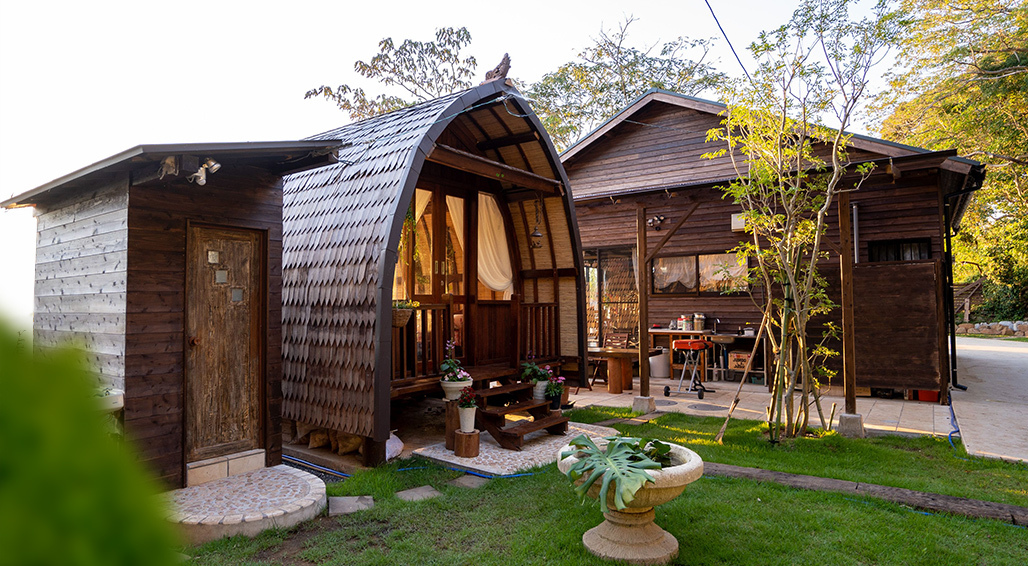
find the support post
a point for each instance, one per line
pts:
(644, 401)
(850, 423)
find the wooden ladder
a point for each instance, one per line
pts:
(495, 403)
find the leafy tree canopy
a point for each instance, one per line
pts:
(609, 74)
(420, 70)
(963, 83)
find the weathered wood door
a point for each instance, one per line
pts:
(224, 341)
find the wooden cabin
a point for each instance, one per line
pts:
(646, 163)
(459, 203)
(164, 263)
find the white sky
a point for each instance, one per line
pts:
(81, 81)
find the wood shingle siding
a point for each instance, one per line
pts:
(342, 229)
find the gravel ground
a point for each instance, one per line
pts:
(325, 477)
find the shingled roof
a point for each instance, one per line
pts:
(341, 230)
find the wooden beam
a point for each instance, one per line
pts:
(483, 167)
(506, 141)
(671, 232)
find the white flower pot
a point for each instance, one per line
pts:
(467, 419)
(539, 391)
(451, 389)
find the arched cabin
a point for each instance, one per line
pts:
(459, 203)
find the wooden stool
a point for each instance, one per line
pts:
(465, 444)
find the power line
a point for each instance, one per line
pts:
(725, 35)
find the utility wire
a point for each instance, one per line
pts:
(725, 35)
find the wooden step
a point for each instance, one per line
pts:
(513, 436)
(513, 408)
(503, 389)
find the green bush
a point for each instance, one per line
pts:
(69, 493)
(1002, 302)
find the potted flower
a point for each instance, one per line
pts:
(454, 377)
(467, 404)
(539, 376)
(629, 476)
(554, 390)
(402, 310)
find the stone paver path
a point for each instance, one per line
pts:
(418, 493)
(347, 505)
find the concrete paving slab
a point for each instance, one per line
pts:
(469, 481)
(350, 504)
(418, 493)
(993, 413)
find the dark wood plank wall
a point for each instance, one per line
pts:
(638, 156)
(159, 211)
(80, 281)
(668, 150)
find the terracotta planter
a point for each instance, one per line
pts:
(630, 534)
(451, 389)
(467, 418)
(400, 317)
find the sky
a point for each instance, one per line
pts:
(81, 81)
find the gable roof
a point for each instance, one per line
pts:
(277, 157)
(858, 141)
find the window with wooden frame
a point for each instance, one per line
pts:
(612, 298)
(899, 250)
(698, 274)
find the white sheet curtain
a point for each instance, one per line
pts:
(494, 269)
(669, 270)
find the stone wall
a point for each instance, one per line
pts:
(1003, 328)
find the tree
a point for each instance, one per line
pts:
(790, 169)
(419, 70)
(609, 74)
(962, 83)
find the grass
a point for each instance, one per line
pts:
(536, 519)
(922, 463)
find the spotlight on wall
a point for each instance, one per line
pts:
(655, 222)
(212, 165)
(200, 177)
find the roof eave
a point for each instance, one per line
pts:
(119, 161)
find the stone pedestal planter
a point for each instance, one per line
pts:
(451, 389)
(630, 534)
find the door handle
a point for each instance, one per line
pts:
(194, 341)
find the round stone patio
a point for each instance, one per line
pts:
(247, 504)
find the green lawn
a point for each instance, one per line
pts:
(922, 463)
(536, 519)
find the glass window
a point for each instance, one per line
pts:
(900, 250)
(454, 264)
(674, 275)
(721, 273)
(612, 298)
(423, 212)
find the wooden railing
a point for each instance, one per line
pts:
(420, 346)
(539, 337)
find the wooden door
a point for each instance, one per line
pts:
(224, 357)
